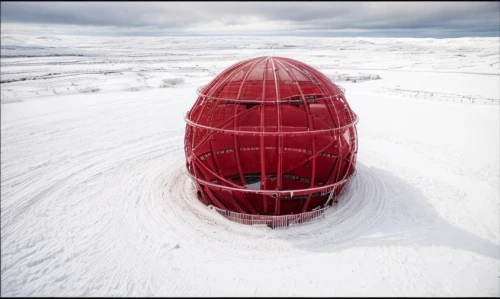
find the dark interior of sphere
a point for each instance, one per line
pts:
(250, 130)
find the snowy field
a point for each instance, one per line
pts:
(95, 200)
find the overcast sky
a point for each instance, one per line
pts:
(366, 19)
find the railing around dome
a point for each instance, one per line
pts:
(285, 100)
(325, 188)
(341, 88)
(259, 133)
(199, 89)
(199, 92)
(277, 221)
(271, 220)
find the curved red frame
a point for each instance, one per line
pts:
(270, 136)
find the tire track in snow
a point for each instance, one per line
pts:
(53, 188)
(166, 204)
(148, 217)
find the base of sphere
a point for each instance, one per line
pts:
(277, 221)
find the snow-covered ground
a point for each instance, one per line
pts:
(95, 200)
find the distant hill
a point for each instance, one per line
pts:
(8, 40)
(49, 39)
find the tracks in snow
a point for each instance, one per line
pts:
(96, 201)
(77, 194)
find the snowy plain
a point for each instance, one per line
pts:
(95, 200)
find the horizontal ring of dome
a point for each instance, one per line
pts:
(199, 93)
(260, 133)
(272, 192)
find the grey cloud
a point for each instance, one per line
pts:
(299, 16)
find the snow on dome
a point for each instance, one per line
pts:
(270, 136)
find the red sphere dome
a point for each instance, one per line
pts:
(270, 136)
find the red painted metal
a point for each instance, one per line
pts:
(270, 136)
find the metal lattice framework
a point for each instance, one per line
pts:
(270, 136)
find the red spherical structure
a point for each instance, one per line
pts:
(270, 136)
